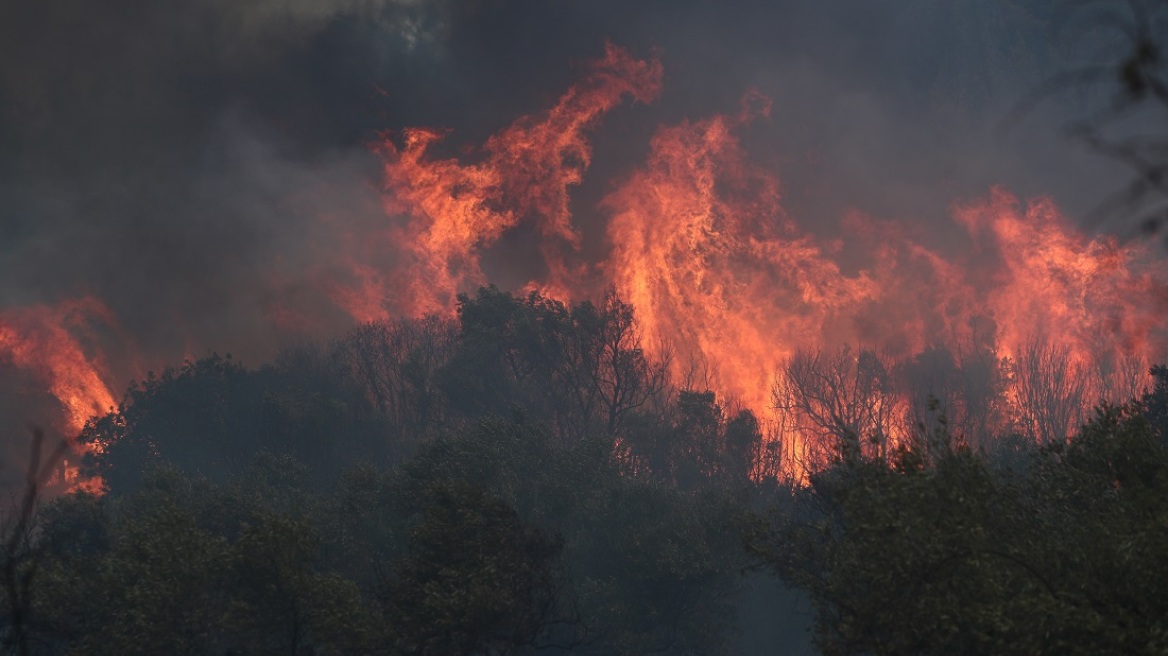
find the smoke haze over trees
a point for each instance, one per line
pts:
(484, 486)
(514, 327)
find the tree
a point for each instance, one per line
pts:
(476, 581)
(580, 367)
(184, 566)
(617, 370)
(396, 365)
(1155, 401)
(967, 388)
(1053, 391)
(660, 569)
(950, 554)
(847, 400)
(693, 444)
(653, 568)
(212, 415)
(18, 559)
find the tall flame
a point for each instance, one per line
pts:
(724, 280)
(453, 210)
(703, 250)
(48, 342)
(1092, 296)
(42, 339)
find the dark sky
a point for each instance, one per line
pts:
(181, 159)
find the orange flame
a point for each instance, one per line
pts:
(703, 250)
(453, 210)
(1093, 296)
(719, 274)
(48, 342)
(722, 277)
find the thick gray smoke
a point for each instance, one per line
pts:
(199, 165)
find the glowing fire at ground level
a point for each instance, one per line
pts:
(1017, 327)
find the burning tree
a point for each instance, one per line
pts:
(1052, 391)
(845, 404)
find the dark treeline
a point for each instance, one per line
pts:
(526, 479)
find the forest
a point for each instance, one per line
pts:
(523, 478)
(836, 388)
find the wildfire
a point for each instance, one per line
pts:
(801, 330)
(726, 282)
(48, 343)
(703, 250)
(454, 210)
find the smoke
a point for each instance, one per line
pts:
(204, 167)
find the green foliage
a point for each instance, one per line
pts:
(945, 553)
(211, 416)
(494, 540)
(1155, 402)
(579, 368)
(185, 567)
(475, 580)
(661, 569)
(524, 479)
(695, 444)
(653, 569)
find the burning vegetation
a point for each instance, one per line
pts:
(1019, 325)
(714, 356)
